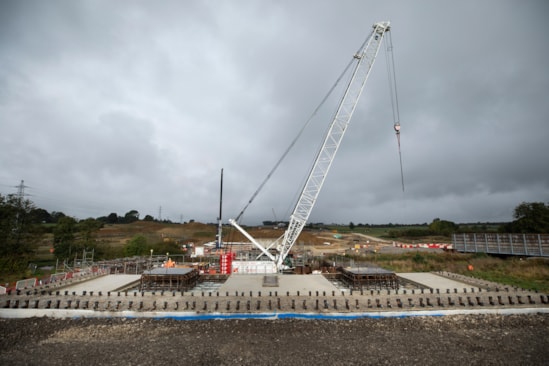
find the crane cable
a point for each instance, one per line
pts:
(394, 98)
(300, 132)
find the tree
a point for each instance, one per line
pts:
(530, 217)
(442, 227)
(148, 218)
(112, 218)
(64, 233)
(39, 215)
(136, 246)
(131, 216)
(18, 233)
(55, 216)
(351, 226)
(87, 230)
(166, 247)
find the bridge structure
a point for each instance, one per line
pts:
(529, 245)
(291, 296)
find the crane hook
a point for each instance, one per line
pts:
(397, 128)
(397, 131)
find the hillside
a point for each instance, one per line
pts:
(198, 233)
(157, 232)
(316, 241)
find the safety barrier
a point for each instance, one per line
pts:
(53, 281)
(27, 283)
(444, 246)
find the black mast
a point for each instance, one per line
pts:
(219, 243)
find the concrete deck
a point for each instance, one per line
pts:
(297, 295)
(104, 283)
(286, 283)
(433, 281)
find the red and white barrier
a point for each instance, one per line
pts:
(444, 246)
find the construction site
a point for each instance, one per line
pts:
(268, 276)
(180, 292)
(255, 317)
(297, 308)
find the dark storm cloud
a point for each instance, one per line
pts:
(112, 106)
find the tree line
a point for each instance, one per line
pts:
(23, 226)
(45, 217)
(529, 218)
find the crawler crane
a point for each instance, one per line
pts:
(364, 61)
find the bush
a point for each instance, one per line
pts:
(136, 246)
(418, 258)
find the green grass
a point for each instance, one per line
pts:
(532, 274)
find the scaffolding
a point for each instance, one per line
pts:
(369, 278)
(169, 279)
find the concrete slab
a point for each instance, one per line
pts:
(286, 283)
(433, 281)
(254, 282)
(105, 283)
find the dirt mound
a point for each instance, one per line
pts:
(454, 340)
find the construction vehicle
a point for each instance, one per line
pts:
(364, 60)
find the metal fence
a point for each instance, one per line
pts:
(533, 245)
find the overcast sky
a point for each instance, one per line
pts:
(109, 106)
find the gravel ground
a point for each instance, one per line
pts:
(449, 340)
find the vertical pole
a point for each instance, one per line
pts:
(219, 219)
(20, 196)
(475, 241)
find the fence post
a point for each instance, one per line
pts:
(475, 241)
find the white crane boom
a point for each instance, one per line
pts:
(365, 59)
(325, 157)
